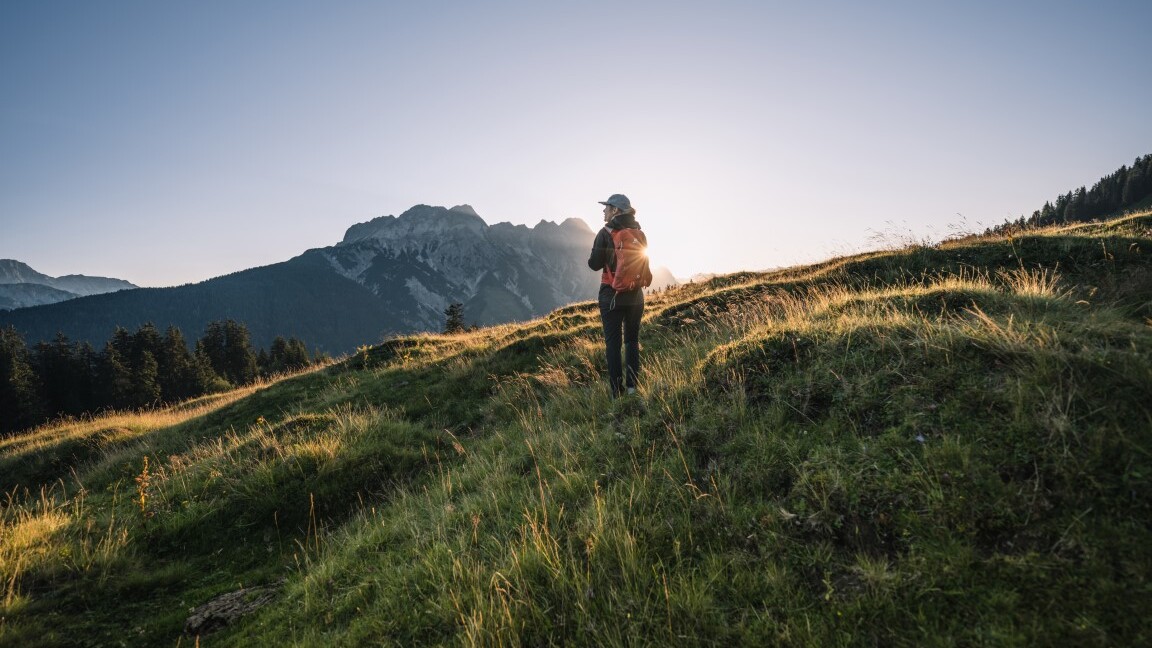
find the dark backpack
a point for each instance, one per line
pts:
(630, 248)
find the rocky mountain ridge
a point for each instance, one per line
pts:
(429, 257)
(390, 275)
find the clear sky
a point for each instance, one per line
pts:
(170, 142)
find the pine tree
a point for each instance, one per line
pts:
(228, 351)
(145, 389)
(115, 383)
(1116, 192)
(278, 355)
(64, 379)
(88, 367)
(179, 373)
(1135, 185)
(147, 339)
(1074, 210)
(131, 360)
(298, 356)
(212, 348)
(239, 358)
(19, 389)
(264, 363)
(454, 318)
(287, 355)
(213, 381)
(122, 341)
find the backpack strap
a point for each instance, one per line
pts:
(610, 257)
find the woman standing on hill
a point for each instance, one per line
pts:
(620, 311)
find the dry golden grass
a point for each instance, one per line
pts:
(127, 425)
(946, 419)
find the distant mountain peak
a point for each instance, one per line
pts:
(21, 286)
(465, 209)
(430, 220)
(436, 217)
(18, 272)
(392, 274)
(577, 224)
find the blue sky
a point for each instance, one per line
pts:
(167, 143)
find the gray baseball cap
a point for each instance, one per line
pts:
(619, 201)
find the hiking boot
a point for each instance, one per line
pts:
(616, 387)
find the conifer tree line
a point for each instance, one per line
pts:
(132, 371)
(1126, 188)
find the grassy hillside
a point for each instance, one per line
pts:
(942, 445)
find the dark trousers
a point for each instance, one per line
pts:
(621, 325)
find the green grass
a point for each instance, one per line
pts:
(924, 446)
